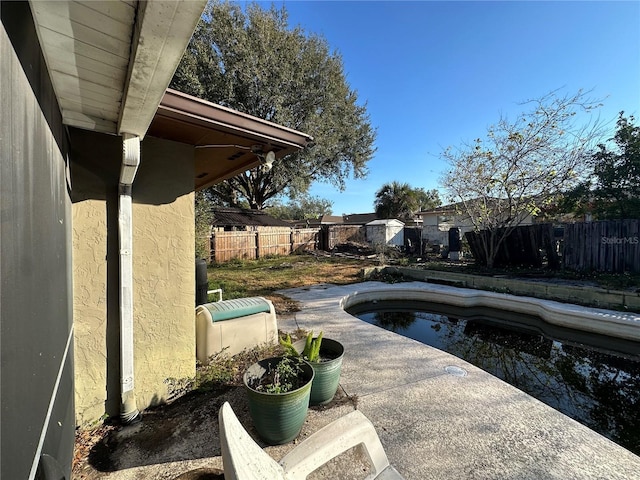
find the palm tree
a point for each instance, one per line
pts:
(401, 201)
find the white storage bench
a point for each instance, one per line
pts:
(235, 325)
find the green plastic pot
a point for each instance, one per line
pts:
(278, 417)
(327, 374)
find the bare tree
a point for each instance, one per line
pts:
(522, 165)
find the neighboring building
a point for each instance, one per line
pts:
(359, 218)
(415, 221)
(436, 223)
(92, 140)
(351, 219)
(388, 232)
(240, 220)
(323, 220)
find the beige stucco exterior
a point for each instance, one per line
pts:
(90, 309)
(163, 272)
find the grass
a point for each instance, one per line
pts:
(221, 372)
(262, 277)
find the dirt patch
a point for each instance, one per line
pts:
(357, 250)
(186, 429)
(86, 442)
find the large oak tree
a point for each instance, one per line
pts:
(254, 62)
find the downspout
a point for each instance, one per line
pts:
(130, 162)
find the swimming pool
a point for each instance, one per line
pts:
(590, 377)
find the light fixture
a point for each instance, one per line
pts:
(267, 160)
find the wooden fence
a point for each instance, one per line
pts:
(606, 246)
(225, 246)
(332, 235)
(304, 239)
(523, 246)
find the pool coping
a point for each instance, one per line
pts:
(606, 322)
(592, 296)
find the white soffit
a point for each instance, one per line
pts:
(111, 61)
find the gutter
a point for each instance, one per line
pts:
(130, 161)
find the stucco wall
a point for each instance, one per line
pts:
(90, 308)
(163, 263)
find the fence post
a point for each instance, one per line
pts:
(212, 248)
(257, 243)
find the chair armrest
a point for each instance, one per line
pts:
(332, 440)
(242, 458)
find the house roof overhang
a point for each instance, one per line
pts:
(227, 142)
(110, 64)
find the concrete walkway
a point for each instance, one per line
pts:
(436, 424)
(438, 417)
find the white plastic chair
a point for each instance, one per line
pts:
(243, 459)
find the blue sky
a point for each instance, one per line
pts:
(436, 74)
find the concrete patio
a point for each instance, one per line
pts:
(437, 416)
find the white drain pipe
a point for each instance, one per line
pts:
(130, 162)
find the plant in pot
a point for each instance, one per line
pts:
(325, 356)
(278, 390)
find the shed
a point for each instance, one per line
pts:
(385, 232)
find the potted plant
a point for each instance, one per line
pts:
(278, 390)
(325, 356)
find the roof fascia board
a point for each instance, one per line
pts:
(161, 35)
(194, 110)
